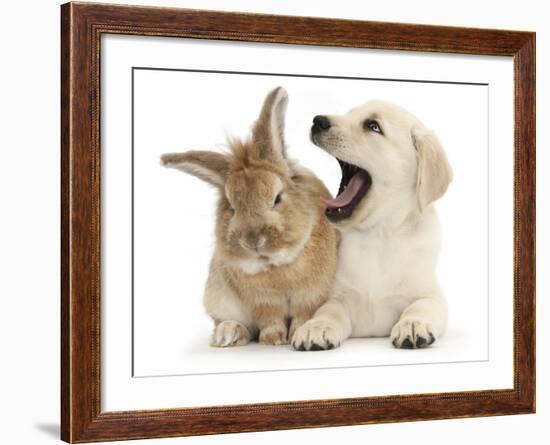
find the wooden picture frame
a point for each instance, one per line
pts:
(82, 25)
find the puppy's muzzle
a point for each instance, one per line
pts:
(320, 124)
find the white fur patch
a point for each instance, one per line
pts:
(252, 266)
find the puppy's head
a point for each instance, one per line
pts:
(391, 164)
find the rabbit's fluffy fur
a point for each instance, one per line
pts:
(275, 254)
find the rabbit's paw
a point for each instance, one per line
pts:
(273, 335)
(230, 333)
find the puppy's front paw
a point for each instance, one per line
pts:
(411, 334)
(230, 333)
(273, 335)
(316, 335)
(294, 325)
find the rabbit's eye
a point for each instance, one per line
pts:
(278, 199)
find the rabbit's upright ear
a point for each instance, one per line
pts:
(434, 171)
(268, 131)
(207, 165)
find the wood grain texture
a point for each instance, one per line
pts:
(81, 28)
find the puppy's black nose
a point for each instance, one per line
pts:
(322, 122)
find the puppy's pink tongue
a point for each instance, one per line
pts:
(343, 199)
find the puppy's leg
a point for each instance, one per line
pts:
(272, 324)
(329, 327)
(302, 308)
(420, 324)
(299, 315)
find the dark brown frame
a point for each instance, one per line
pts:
(82, 25)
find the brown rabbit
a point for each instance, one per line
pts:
(275, 255)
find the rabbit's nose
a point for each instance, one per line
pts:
(253, 240)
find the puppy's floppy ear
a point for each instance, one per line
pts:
(268, 131)
(434, 171)
(207, 165)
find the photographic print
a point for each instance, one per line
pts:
(309, 220)
(284, 222)
(314, 226)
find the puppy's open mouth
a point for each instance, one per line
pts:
(355, 184)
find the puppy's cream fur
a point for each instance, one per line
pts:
(386, 283)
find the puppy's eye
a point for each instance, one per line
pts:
(372, 125)
(278, 199)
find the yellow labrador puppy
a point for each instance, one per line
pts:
(393, 169)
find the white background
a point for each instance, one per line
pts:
(29, 239)
(174, 212)
(172, 112)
